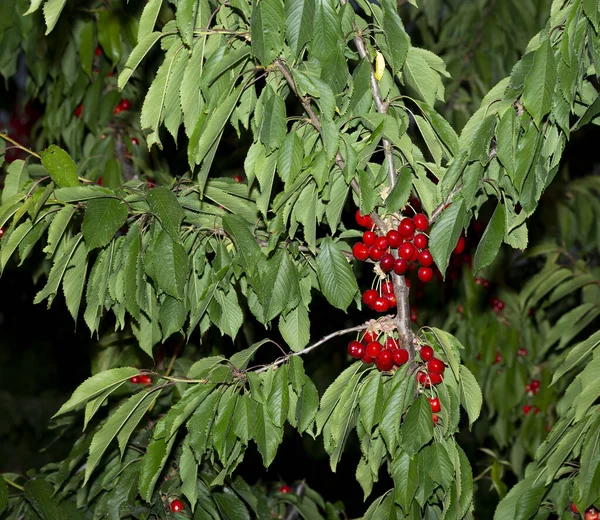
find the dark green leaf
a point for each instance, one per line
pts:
(417, 429)
(539, 82)
(103, 218)
(267, 436)
(59, 165)
(335, 275)
(172, 265)
(267, 26)
(152, 464)
(446, 232)
(165, 206)
(299, 16)
(490, 242)
(240, 359)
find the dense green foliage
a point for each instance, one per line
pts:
(194, 177)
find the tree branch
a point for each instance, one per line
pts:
(438, 211)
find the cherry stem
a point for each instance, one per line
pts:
(13, 484)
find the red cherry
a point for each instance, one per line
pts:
(360, 251)
(435, 379)
(435, 366)
(420, 241)
(406, 250)
(135, 142)
(387, 287)
(400, 356)
(135, 380)
(425, 258)
(386, 262)
(373, 349)
(381, 242)
(391, 343)
(591, 513)
(356, 349)
(421, 378)
(375, 253)
(98, 51)
(400, 266)
(526, 409)
(369, 238)
(370, 336)
(368, 360)
(78, 111)
(434, 418)
(435, 404)
(497, 359)
(100, 181)
(522, 352)
(394, 238)
(384, 360)
(460, 246)
(117, 110)
(125, 104)
(574, 508)
(285, 489)
(381, 304)
(369, 297)
(363, 220)
(145, 380)
(426, 353)
(425, 274)
(176, 505)
(406, 227)
(499, 305)
(391, 298)
(421, 222)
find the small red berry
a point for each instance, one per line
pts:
(125, 104)
(425, 274)
(435, 418)
(135, 142)
(406, 227)
(98, 51)
(145, 380)
(369, 238)
(425, 258)
(384, 360)
(79, 110)
(369, 297)
(426, 353)
(498, 358)
(386, 262)
(373, 349)
(135, 380)
(574, 508)
(117, 110)
(375, 253)
(421, 378)
(591, 513)
(420, 241)
(421, 222)
(381, 242)
(391, 298)
(435, 379)
(176, 505)
(391, 343)
(360, 251)
(460, 246)
(370, 336)
(363, 220)
(400, 356)
(400, 266)
(406, 250)
(381, 304)
(522, 352)
(394, 238)
(237, 178)
(435, 404)
(499, 305)
(368, 360)
(526, 409)
(387, 287)
(356, 349)
(435, 366)
(285, 489)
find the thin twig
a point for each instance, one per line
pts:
(438, 211)
(310, 348)
(20, 146)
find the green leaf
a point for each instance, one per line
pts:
(188, 469)
(103, 218)
(172, 316)
(278, 398)
(74, 279)
(280, 278)
(201, 422)
(172, 265)
(420, 76)
(109, 34)
(249, 252)
(307, 405)
(231, 313)
(52, 10)
(371, 401)
(266, 29)
(335, 274)
(398, 41)
(490, 242)
(16, 177)
(134, 419)
(581, 352)
(299, 16)
(79, 193)
(470, 394)
(539, 82)
(59, 165)
(40, 495)
(241, 359)
(244, 418)
(400, 194)
(274, 123)
(139, 52)
(417, 429)
(589, 473)
(295, 328)
(289, 159)
(446, 232)
(267, 436)
(165, 206)
(152, 464)
(148, 18)
(326, 29)
(404, 470)
(3, 495)
(368, 196)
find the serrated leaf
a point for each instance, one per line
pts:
(16, 177)
(278, 398)
(490, 242)
(299, 16)
(273, 127)
(267, 436)
(306, 405)
(152, 464)
(188, 470)
(52, 10)
(138, 53)
(371, 401)
(540, 82)
(201, 422)
(335, 274)
(295, 328)
(231, 313)
(134, 419)
(165, 206)
(417, 429)
(244, 418)
(420, 76)
(103, 218)
(398, 41)
(280, 278)
(79, 193)
(74, 279)
(241, 359)
(266, 30)
(577, 354)
(470, 394)
(173, 263)
(446, 232)
(59, 165)
(172, 316)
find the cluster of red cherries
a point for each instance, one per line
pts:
(141, 379)
(385, 353)
(410, 242)
(591, 513)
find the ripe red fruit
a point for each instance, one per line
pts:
(78, 111)
(98, 51)
(435, 379)
(125, 104)
(535, 386)
(135, 380)
(373, 349)
(117, 110)
(387, 287)
(435, 366)
(381, 304)
(386, 262)
(434, 418)
(574, 508)
(356, 349)
(285, 489)
(381, 242)
(406, 227)
(499, 305)
(176, 505)
(400, 356)
(369, 238)
(435, 404)
(368, 360)
(145, 380)
(369, 297)
(498, 358)
(391, 298)
(394, 238)
(363, 220)
(370, 336)
(400, 266)
(522, 352)
(384, 360)
(237, 178)
(360, 251)
(406, 250)
(526, 409)
(426, 353)
(421, 378)
(375, 253)
(421, 222)
(391, 343)
(460, 246)
(413, 314)
(420, 241)
(425, 274)
(591, 513)
(135, 142)
(425, 258)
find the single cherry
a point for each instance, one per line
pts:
(375, 253)
(435, 366)
(527, 408)
(420, 241)
(363, 220)
(384, 360)
(400, 356)
(435, 404)
(381, 304)
(426, 353)
(406, 227)
(381, 242)
(394, 238)
(176, 505)
(400, 266)
(369, 297)
(591, 513)
(145, 379)
(369, 238)
(285, 489)
(370, 336)
(360, 251)
(98, 51)
(391, 343)
(387, 287)
(425, 258)
(391, 298)
(425, 274)
(356, 349)
(435, 379)
(368, 360)
(434, 418)
(421, 222)
(406, 250)
(78, 111)
(386, 262)
(135, 380)
(373, 349)
(460, 246)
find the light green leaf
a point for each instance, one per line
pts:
(539, 82)
(470, 394)
(335, 274)
(280, 279)
(148, 18)
(273, 127)
(398, 41)
(490, 242)
(52, 10)
(188, 469)
(241, 359)
(80, 193)
(295, 328)
(59, 165)
(266, 30)
(172, 316)
(138, 53)
(16, 177)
